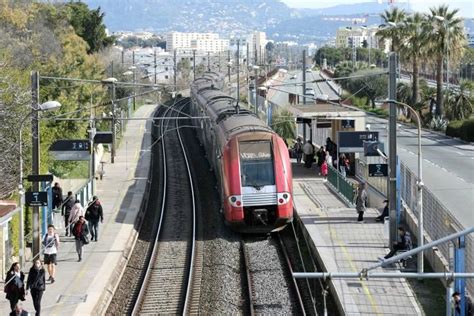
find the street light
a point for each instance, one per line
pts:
(443, 20)
(111, 81)
(419, 185)
(47, 106)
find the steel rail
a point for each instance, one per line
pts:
(249, 279)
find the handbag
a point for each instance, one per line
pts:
(85, 239)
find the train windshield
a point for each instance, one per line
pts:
(256, 163)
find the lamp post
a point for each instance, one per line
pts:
(446, 27)
(47, 106)
(419, 185)
(256, 68)
(111, 81)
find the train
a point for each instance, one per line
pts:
(250, 161)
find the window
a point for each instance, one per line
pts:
(256, 163)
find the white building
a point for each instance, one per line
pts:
(202, 42)
(357, 36)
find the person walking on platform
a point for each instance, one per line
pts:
(308, 151)
(66, 210)
(298, 150)
(15, 285)
(76, 211)
(37, 284)
(19, 311)
(361, 202)
(57, 195)
(51, 245)
(324, 169)
(321, 155)
(94, 214)
(401, 244)
(80, 232)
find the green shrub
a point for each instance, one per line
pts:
(467, 130)
(454, 129)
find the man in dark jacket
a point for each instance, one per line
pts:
(57, 195)
(468, 304)
(94, 214)
(66, 210)
(37, 284)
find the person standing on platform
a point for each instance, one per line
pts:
(298, 150)
(15, 285)
(76, 211)
(361, 202)
(308, 151)
(66, 210)
(51, 245)
(324, 169)
(321, 155)
(468, 304)
(80, 232)
(19, 311)
(57, 195)
(37, 284)
(94, 214)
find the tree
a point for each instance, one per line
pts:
(283, 123)
(389, 32)
(414, 49)
(370, 84)
(446, 35)
(89, 25)
(459, 104)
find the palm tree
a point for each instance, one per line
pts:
(459, 104)
(414, 49)
(283, 123)
(446, 35)
(394, 34)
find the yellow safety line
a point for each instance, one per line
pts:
(340, 243)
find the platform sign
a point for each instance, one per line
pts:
(40, 178)
(71, 149)
(347, 123)
(378, 170)
(353, 142)
(36, 198)
(103, 138)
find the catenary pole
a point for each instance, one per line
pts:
(392, 134)
(35, 162)
(304, 76)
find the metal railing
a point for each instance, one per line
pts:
(341, 184)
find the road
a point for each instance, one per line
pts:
(448, 164)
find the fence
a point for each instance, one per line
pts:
(346, 188)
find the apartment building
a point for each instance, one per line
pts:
(357, 36)
(202, 42)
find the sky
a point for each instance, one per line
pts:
(466, 6)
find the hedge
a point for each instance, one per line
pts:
(462, 129)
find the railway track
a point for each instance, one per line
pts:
(270, 285)
(167, 286)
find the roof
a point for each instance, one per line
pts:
(7, 210)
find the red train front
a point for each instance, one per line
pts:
(250, 160)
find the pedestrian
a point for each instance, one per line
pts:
(401, 244)
(80, 232)
(467, 304)
(384, 213)
(324, 169)
(51, 245)
(37, 284)
(66, 210)
(94, 214)
(298, 150)
(343, 164)
(19, 311)
(328, 158)
(361, 202)
(308, 151)
(57, 195)
(76, 211)
(15, 285)
(321, 155)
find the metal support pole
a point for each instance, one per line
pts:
(35, 163)
(256, 91)
(114, 134)
(112, 68)
(154, 60)
(208, 61)
(134, 78)
(392, 189)
(174, 69)
(304, 77)
(381, 275)
(228, 65)
(238, 71)
(22, 205)
(194, 64)
(247, 57)
(123, 57)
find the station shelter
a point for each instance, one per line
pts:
(7, 210)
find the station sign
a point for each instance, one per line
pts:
(34, 198)
(71, 149)
(378, 170)
(353, 142)
(347, 123)
(103, 138)
(40, 178)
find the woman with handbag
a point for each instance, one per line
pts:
(80, 232)
(37, 284)
(15, 285)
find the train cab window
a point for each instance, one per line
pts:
(256, 163)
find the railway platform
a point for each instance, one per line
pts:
(344, 245)
(83, 288)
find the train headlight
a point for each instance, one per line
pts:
(235, 200)
(283, 198)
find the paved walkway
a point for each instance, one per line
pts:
(343, 245)
(83, 288)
